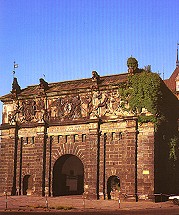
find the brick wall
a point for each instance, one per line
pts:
(105, 149)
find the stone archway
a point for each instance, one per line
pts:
(113, 184)
(27, 185)
(68, 176)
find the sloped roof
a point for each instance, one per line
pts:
(70, 85)
(171, 84)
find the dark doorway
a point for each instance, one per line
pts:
(113, 184)
(68, 176)
(27, 185)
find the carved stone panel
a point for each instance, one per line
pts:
(65, 108)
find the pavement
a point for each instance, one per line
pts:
(34, 203)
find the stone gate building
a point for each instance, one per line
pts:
(71, 137)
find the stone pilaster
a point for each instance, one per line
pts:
(92, 167)
(145, 161)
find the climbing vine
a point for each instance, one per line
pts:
(173, 148)
(142, 90)
(146, 90)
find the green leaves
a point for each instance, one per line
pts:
(145, 91)
(174, 148)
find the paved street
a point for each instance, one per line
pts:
(118, 212)
(77, 205)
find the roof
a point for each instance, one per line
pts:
(171, 83)
(70, 85)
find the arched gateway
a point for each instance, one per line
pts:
(27, 184)
(59, 138)
(113, 183)
(68, 176)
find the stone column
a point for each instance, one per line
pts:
(39, 168)
(146, 161)
(102, 167)
(92, 166)
(48, 177)
(7, 160)
(20, 147)
(14, 183)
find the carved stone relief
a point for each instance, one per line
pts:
(107, 103)
(64, 108)
(40, 110)
(13, 113)
(89, 105)
(27, 111)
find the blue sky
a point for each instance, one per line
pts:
(67, 39)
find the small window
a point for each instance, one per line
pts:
(75, 137)
(59, 138)
(83, 137)
(105, 136)
(120, 135)
(26, 140)
(67, 138)
(22, 140)
(113, 135)
(33, 140)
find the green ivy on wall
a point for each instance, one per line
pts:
(145, 89)
(142, 90)
(173, 145)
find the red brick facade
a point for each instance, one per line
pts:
(73, 137)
